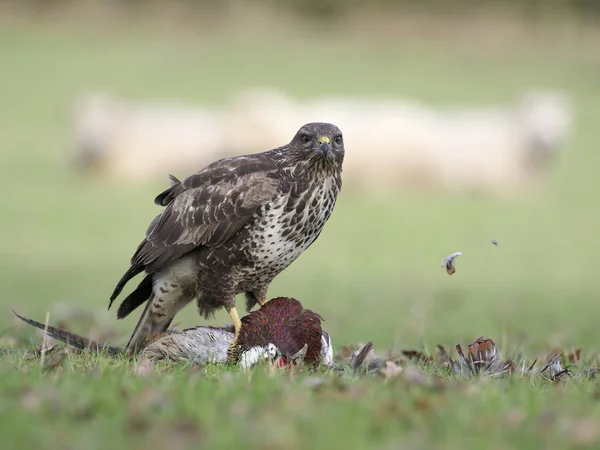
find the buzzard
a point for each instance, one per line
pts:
(231, 228)
(282, 330)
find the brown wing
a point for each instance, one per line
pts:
(206, 209)
(203, 216)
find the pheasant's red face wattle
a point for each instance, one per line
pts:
(281, 362)
(284, 323)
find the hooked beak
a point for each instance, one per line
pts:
(324, 146)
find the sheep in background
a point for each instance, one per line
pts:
(137, 141)
(395, 143)
(390, 143)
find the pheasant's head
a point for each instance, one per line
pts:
(285, 333)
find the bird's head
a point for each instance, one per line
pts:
(318, 145)
(285, 333)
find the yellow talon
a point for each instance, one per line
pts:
(237, 326)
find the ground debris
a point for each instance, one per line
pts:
(554, 370)
(481, 358)
(390, 370)
(417, 356)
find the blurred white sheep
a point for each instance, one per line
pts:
(389, 143)
(135, 141)
(395, 143)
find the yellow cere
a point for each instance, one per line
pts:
(324, 139)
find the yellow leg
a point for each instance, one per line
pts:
(237, 326)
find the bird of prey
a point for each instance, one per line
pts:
(231, 228)
(282, 331)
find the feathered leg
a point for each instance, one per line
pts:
(156, 318)
(237, 326)
(171, 291)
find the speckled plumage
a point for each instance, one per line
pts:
(232, 227)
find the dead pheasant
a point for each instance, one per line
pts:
(281, 331)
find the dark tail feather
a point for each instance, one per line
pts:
(131, 272)
(71, 338)
(141, 294)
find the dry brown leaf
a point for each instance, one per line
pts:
(390, 370)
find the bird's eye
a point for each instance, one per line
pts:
(305, 138)
(337, 140)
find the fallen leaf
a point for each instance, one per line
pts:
(390, 370)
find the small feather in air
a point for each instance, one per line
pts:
(449, 262)
(495, 242)
(173, 180)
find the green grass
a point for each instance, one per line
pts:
(374, 274)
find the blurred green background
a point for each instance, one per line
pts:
(374, 274)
